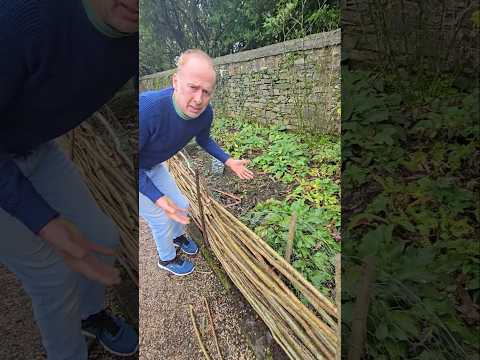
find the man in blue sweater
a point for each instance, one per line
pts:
(169, 119)
(60, 61)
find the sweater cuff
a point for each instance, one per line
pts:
(147, 187)
(224, 157)
(36, 214)
(153, 194)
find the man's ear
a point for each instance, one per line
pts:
(175, 81)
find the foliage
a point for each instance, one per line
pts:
(476, 18)
(152, 56)
(221, 27)
(320, 192)
(286, 158)
(428, 36)
(417, 177)
(311, 165)
(297, 18)
(314, 247)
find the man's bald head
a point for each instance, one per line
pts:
(198, 56)
(194, 82)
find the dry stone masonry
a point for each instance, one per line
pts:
(295, 83)
(440, 32)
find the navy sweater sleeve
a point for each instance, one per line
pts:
(18, 197)
(209, 145)
(145, 184)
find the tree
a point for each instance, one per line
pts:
(297, 18)
(222, 27)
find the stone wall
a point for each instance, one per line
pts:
(436, 32)
(295, 83)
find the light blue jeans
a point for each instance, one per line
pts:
(164, 230)
(60, 297)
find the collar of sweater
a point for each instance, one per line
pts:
(101, 26)
(178, 111)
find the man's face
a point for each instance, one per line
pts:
(194, 85)
(122, 15)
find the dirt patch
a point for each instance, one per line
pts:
(250, 192)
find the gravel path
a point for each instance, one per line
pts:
(19, 333)
(165, 325)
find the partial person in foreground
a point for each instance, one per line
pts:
(169, 119)
(60, 61)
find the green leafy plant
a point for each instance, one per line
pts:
(314, 246)
(310, 164)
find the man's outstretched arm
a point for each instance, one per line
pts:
(239, 167)
(210, 146)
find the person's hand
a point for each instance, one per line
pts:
(239, 167)
(173, 211)
(78, 252)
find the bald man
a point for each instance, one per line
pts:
(169, 119)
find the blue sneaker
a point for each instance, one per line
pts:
(115, 335)
(177, 266)
(186, 244)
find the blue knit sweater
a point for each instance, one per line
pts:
(163, 133)
(56, 69)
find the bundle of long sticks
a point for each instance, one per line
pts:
(262, 275)
(110, 177)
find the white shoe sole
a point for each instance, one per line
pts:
(174, 273)
(89, 335)
(116, 353)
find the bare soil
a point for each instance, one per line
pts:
(262, 187)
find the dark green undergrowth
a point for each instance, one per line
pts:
(411, 185)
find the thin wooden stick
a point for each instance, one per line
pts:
(72, 145)
(197, 333)
(291, 236)
(227, 194)
(338, 301)
(232, 204)
(200, 204)
(230, 195)
(360, 310)
(213, 327)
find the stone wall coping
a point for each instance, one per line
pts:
(158, 75)
(315, 41)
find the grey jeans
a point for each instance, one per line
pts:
(60, 297)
